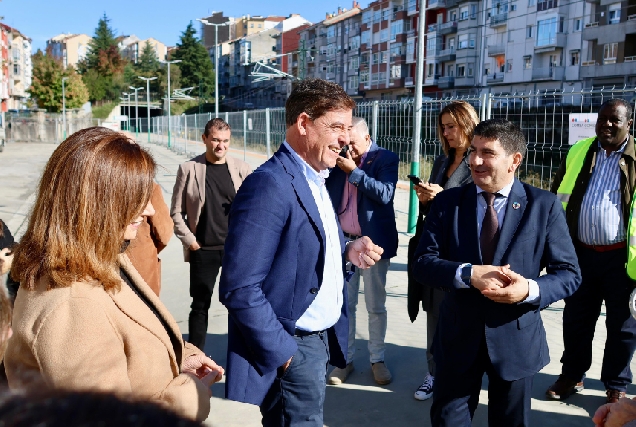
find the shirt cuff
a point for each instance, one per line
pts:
(458, 277)
(533, 292)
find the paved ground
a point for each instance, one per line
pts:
(359, 401)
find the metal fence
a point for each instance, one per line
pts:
(543, 118)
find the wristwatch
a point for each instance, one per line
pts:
(466, 272)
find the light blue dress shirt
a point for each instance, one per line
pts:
(326, 308)
(500, 203)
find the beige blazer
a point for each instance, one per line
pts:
(188, 195)
(82, 337)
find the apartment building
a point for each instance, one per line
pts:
(68, 48)
(248, 25)
(288, 52)
(131, 47)
(17, 68)
(225, 32)
(609, 37)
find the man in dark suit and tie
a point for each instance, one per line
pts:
(486, 244)
(283, 274)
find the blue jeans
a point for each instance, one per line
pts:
(297, 396)
(375, 299)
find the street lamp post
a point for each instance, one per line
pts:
(136, 110)
(147, 80)
(127, 95)
(64, 108)
(168, 64)
(216, 63)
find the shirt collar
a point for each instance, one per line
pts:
(620, 150)
(504, 192)
(310, 173)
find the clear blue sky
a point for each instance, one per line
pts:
(162, 19)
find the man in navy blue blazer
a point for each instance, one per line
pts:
(283, 272)
(486, 244)
(362, 188)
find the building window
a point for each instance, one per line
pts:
(470, 70)
(462, 41)
(364, 58)
(473, 11)
(527, 62)
(410, 50)
(251, 25)
(377, 16)
(354, 43)
(397, 50)
(364, 76)
(529, 31)
(546, 4)
(471, 41)
(367, 15)
(452, 15)
(396, 71)
(16, 69)
(450, 44)
(384, 35)
(429, 73)
(577, 24)
(509, 65)
(431, 45)
(463, 13)
(331, 32)
(575, 58)
(614, 13)
(355, 63)
(450, 71)
(461, 70)
(376, 58)
(510, 39)
(365, 37)
(546, 32)
(353, 82)
(385, 14)
(609, 53)
(397, 27)
(532, 3)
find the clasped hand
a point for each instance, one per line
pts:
(363, 253)
(203, 368)
(500, 283)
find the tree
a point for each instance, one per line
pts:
(103, 41)
(46, 86)
(196, 66)
(148, 62)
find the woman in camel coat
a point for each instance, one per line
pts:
(84, 319)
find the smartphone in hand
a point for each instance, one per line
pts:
(414, 179)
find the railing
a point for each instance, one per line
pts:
(408, 81)
(495, 78)
(543, 117)
(551, 73)
(436, 4)
(498, 19)
(448, 26)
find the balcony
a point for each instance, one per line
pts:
(594, 31)
(436, 4)
(411, 7)
(446, 82)
(447, 27)
(498, 20)
(446, 55)
(431, 80)
(495, 78)
(408, 81)
(496, 49)
(548, 73)
(557, 41)
(589, 70)
(411, 33)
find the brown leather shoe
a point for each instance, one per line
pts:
(563, 388)
(614, 395)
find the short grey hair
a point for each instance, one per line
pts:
(360, 124)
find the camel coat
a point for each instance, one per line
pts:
(82, 337)
(153, 235)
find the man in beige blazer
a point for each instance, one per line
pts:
(203, 193)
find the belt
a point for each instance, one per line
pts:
(301, 333)
(605, 248)
(351, 236)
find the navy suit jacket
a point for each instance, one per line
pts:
(533, 236)
(375, 180)
(272, 271)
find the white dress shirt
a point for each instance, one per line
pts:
(326, 308)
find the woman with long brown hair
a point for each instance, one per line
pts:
(84, 319)
(455, 125)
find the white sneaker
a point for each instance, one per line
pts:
(425, 391)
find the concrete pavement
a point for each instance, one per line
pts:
(359, 401)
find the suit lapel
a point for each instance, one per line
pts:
(467, 223)
(130, 304)
(517, 202)
(234, 172)
(199, 175)
(303, 193)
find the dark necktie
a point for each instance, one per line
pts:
(489, 230)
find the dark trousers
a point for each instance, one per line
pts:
(456, 395)
(204, 267)
(297, 397)
(604, 279)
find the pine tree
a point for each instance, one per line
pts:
(148, 62)
(196, 66)
(103, 41)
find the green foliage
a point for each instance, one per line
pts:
(148, 62)
(103, 69)
(196, 66)
(175, 78)
(46, 86)
(104, 110)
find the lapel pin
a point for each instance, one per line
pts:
(515, 205)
